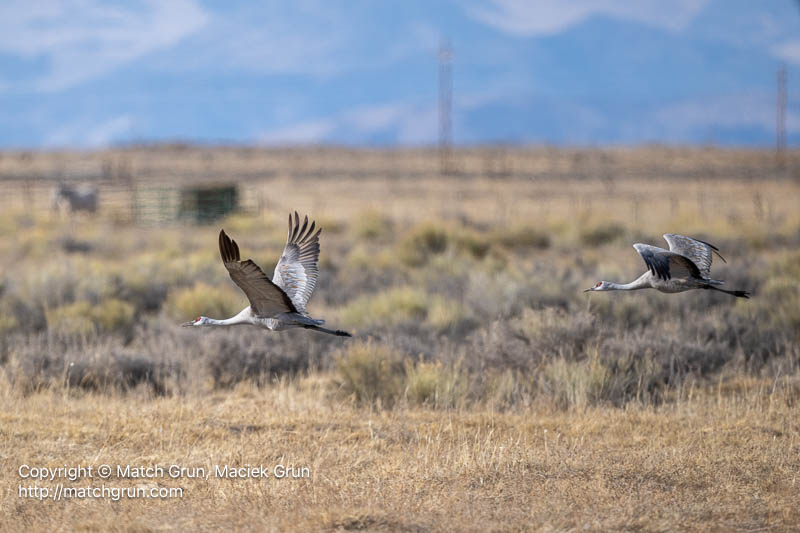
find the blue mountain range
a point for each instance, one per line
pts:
(89, 73)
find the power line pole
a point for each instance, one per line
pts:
(780, 133)
(445, 107)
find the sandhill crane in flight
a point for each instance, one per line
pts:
(685, 266)
(280, 303)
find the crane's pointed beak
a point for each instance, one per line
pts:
(187, 324)
(590, 289)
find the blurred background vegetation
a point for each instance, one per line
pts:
(461, 290)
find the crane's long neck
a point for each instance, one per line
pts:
(243, 317)
(642, 282)
(232, 321)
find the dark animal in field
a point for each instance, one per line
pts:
(73, 199)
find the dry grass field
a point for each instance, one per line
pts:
(725, 462)
(482, 391)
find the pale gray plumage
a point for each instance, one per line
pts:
(665, 264)
(297, 271)
(686, 265)
(279, 303)
(700, 252)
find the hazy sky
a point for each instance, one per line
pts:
(89, 73)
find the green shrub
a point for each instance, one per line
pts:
(523, 237)
(602, 233)
(330, 226)
(502, 389)
(372, 374)
(7, 322)
(553, 331)
(420, 243)
(239, 223)
(83, 318)
(783, 297)
(786, 264)
(595, 381)
(472, 243)
(71, 319)
(573, 384)
(19, 314)
(402, 305)
(113, 315)
(202, 299)
(392, 307)
(626, 310)
(444, 313)
(371, 225)
(434, 384)
(365, 257)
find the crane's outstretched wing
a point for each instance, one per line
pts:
(297, 271)
(266, 298)
(700, 252)
(666, 264)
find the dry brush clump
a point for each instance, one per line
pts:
(82, 318)
(53, 360)
(523, 237)
(373, 226)
(261, 358)
(203, 299)
(372, 374)
(601, 233)
(405, 305)
(381, 376)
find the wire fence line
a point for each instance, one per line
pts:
(165, 185)
(141, 202)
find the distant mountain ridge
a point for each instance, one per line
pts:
(688, 71)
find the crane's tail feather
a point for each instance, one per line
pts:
(738, 294)
(303, 320)
(337, 332)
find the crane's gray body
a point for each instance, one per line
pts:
(279, 303)
(246, 317)
(650, 281)
(685, 266)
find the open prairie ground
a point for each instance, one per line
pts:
(726, 461)
(482, 390)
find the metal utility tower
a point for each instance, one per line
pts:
(445, 107)
(780, 126)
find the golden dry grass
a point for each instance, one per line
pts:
(725, 460)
